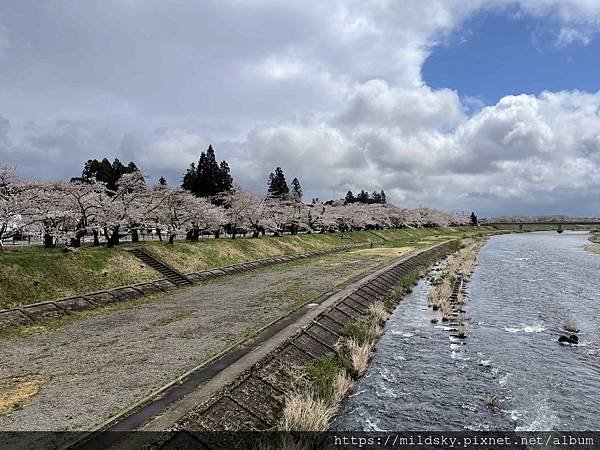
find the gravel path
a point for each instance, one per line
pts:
(92, 368)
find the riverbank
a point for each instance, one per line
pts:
(594, 247)
(263, 397)
(32, 274)
(510, 372)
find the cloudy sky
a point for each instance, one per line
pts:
(485, 105)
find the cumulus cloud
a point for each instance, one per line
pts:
(331, 91)
(375, 103)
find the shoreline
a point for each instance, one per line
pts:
(594, 247)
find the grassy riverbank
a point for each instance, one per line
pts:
(31, 274)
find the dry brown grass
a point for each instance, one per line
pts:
(378, 311)
(342, 387)
(440, 294)
(390, 251)
(15, 390)
(464, 261)
(462, 331)
(446, 312)
(359, 354)
(305, 411)
(571, 326)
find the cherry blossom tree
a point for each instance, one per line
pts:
(242, 210)
(254, 211)
(67, 211)
(130, 205)
(84, 198)
(17, 204)
(182, 211)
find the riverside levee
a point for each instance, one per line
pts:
(255, 400)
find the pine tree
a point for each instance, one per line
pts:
(105, 172)
(375, 197)
(473, 219)
(208, 178)
(162, 181)
(349, 197)
(363, 197)
(383, 197)
(297, 189)
(225, 183)
(277, 186)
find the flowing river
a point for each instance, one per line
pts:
(523, 289)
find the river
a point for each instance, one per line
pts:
(523, 289)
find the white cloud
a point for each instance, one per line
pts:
(332, 91)
(569, 35)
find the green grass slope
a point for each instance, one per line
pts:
(32, 274)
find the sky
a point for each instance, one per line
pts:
(484, 105)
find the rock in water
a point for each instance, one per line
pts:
(572, 339)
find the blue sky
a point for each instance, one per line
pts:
(343, 94)
(498, 54)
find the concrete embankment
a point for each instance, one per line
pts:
(249, 395)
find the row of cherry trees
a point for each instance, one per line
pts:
(65, 212)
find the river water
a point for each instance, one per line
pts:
(523, 289)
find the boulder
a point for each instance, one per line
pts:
(571, 339)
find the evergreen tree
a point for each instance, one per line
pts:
(208, 178)
(105, 171)
(383, 197)
(349, 197)
(473, 219)
(297, 189)
(363, 197)
(277, 186)
(162, 181)
(225, 181)
(375, 197)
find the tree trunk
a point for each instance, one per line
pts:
(217, 234)
(255, 233)
(172, 238)
(48, 241)
(96, 238)
(159, 234)
(113, 239)
(76, 241)
(189, 235)
(135, 237)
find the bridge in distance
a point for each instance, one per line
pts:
(557, 223)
